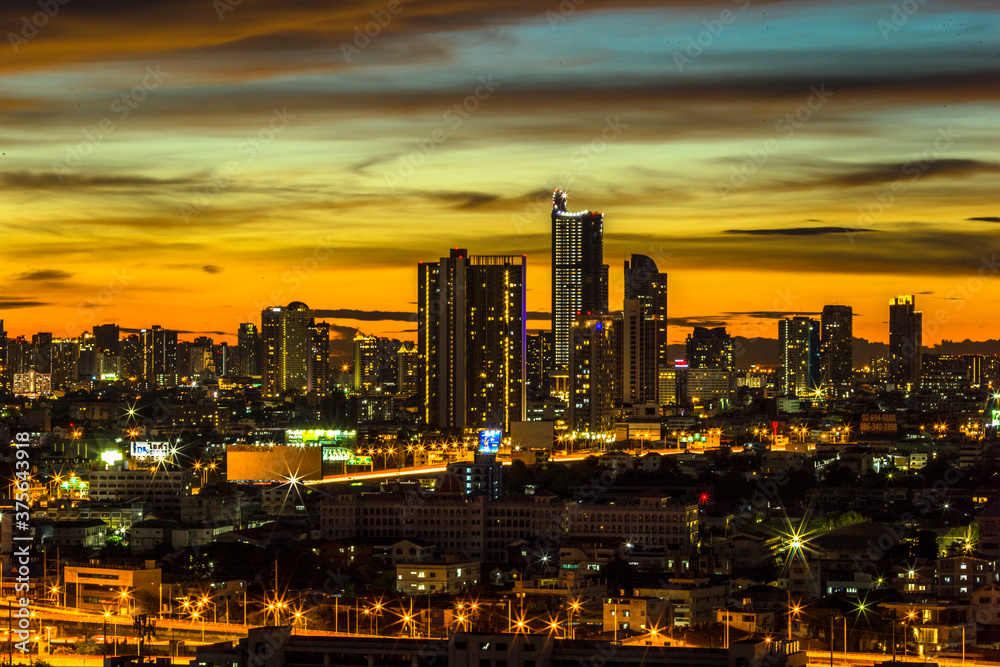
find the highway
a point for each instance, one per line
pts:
(395, 473)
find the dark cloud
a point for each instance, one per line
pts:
(393, 315)
(765, 315)
(49, 180)
(13, 303)
(44, 274)
(798, 231)
(985, 219)
(696, 322)
(211, 268)
(868, 175)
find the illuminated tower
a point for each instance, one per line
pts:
(710, 348)
(5, 376)
(366, 362)
(287, 347)
(247, 340)
(592, 376)
(798, 341)
(159, 356)
(407, 369)
(579, 274)
(644, 282)
(837, 345)
(905, 340)
(319, 357)
(471, 339)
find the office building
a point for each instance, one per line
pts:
(579, 274)
(798, 344)
(6, 379)
(407, 369)
(539, 363)
(248, 342)
(643, 281)
(905, 340)
(837, 349)
(158, 347)
(710, 348)
(287, 336)
(366, 362)
(32, 384)
(592, 377)
(638, 346)
(319, 357)
(98, 587)
(471, 338)
(483, 474)
(161, 490)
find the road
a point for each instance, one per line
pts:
(395, 473)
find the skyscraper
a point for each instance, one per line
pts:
(287, 344)
(592, 377)
(539, 363)
(471, 338)
(579, 274)
(366, 362)
(710, 348)
(837, 346)
(905, 341)
(319, 357)
(408, 369)
(6, 380)
(638, 345)
(246, 339)
(643, 281)
(159, 356)
(798, 341)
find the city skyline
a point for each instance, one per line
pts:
(770, 157)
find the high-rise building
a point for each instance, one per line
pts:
(106, 337)
(6, 379)
(798, 341)
(710, 348)
(471, 338)
(905, 341)
(638, 346)
(837, 347)
(366, 362)
(159, 356)
(592, 377)
(131, 363)
(643, 281)
(408, 369)
(247, 340)
(539, 362)
(287, 338)
(319, 357)
(579, 274)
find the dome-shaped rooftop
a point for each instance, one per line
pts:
(449, 482)
(297, 305)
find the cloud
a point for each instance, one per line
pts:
(798, 231)
(394, 315)
(13, 303)
(985, 219)
(44, 274)
(766, 315)
(211, 268)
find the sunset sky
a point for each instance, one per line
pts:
(187, 163)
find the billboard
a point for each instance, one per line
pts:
(489, 440)
(149, 450)
(252, 463)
